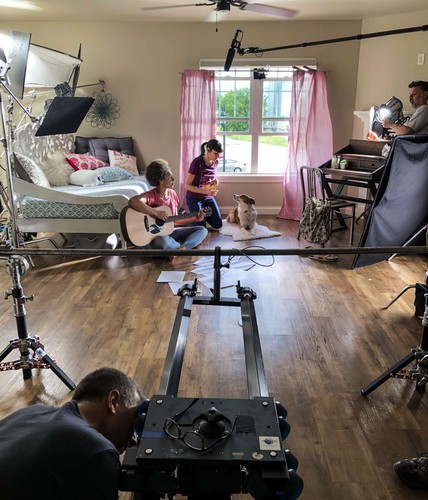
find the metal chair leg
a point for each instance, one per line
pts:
(404, 290)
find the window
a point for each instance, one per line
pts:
(253, 111)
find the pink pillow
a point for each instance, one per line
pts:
(121, 160)
(84, 162)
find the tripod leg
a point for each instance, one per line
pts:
(51, 363)
(385, 376)
(6, 351)
(398, 296)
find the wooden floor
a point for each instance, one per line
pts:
(323, 333)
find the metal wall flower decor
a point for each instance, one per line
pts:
(104, 111)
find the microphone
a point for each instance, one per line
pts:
(231, 52)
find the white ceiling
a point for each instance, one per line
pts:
(130, 10)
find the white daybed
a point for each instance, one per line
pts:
(69, 208)
(112, 199)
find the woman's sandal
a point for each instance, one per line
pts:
(324, 257)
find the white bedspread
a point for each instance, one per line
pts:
(127, 188)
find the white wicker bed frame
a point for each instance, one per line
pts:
(37, 148)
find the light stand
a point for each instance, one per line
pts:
(418, 354)
(7, 142)
(15, 267)
(64, 116)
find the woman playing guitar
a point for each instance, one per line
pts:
(159, 204)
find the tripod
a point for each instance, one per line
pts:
(15, 267)
(418, 354)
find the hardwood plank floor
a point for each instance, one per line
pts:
(324, 337)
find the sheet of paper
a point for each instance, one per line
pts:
(171, 276)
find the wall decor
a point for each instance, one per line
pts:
(104, 111)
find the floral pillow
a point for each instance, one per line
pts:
(84, 162)
(121, 160)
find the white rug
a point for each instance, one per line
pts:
(239, 234)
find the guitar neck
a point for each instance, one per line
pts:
(184, 216)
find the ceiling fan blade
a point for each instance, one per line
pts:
(268, 10)
(146, 9)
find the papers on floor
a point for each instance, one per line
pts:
(171, 277)
(204, 268)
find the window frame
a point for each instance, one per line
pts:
(256, 118)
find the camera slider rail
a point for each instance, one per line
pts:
(212, 447)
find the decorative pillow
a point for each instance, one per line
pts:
(81, 144)
(99, 147)
(56, 168)
(20, 171)
(121, 160)
(111, 174)
(86, 178)
(84, 162)
(33, 170)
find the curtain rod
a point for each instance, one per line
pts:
(257, 50)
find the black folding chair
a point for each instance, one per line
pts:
(312, 183)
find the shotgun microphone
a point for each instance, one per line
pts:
(236, 44)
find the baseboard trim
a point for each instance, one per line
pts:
(262, 210)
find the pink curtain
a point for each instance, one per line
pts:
(310, 140)
(198, 117)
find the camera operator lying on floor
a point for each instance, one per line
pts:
(71, 452)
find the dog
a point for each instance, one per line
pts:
(245, 214)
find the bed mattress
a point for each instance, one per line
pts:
(127, 188)
(36, 208)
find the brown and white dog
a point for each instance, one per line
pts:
(245, 214)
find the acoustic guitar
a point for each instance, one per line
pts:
(140, 229)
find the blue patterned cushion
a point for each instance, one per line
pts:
(112, 174)
(34, 208)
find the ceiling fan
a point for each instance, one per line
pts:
(225, 5)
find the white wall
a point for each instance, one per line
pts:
(141, 64)
(388, 64)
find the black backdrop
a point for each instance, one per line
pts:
(400, 208)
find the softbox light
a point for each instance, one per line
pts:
(18, 57)
(47, 67)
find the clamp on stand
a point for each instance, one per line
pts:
(419, 354)
(16, 266)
